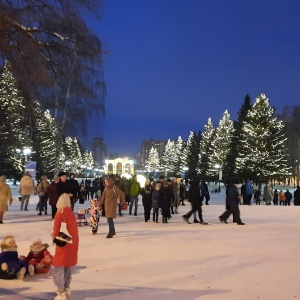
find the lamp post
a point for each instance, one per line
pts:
(218, 167)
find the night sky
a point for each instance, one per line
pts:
(175, 63)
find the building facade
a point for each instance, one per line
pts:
(99, 152)
(146, 147)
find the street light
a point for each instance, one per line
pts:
(218, 167)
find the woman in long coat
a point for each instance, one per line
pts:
(166, 196)
(268, 194)
(146, 193)
(109, 199)
(65, 258)
(5, 197)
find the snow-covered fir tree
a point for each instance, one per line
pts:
(169, 157)
(153, 161)
(262, 154)
(72, 155)
(206, 151)
(179, 162)
(229, 168)
(220, 145)
(12, 129)
(45, 140)
(190, 154)
(87, 159)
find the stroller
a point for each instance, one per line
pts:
(81, 218)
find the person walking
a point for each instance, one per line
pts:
(297, 196)
(5, 197)
(26, 189)
(63, 185)
(109, 200)
(182, 192)
(135, 190)
(146, 193)
(275, 197)
(195, 198)
(165, 198)
(268, 194)
(65, 258)
(281, 198)
(232, 204)
(52, 194)
(176, 190)
(204, 192)
(288, 197)
(257, 195)
(74, 189)
(249, 192)
(155, 201)
(42, 189)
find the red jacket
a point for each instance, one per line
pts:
(66, 256)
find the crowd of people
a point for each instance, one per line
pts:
(160, 197)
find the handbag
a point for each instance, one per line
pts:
(118, 197)
(124, 206)
(64, 237)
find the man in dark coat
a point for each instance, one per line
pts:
(165, 197)
(63, 185)
(195, 198)
(205, 192)
(232, 204)
(74, 188)
(297, 196)
(288, 197)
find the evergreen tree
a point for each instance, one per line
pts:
(153, 162)
(45, 139)
(262, 154)
(87, 159)
(168, 158)
(72, 155)
(191, 154)
(12, 132)
(229, 168)
(206, 150)
(179, 163)
(220, 145)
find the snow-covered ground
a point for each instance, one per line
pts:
(170, 261)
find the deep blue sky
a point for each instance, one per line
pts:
(174, 63)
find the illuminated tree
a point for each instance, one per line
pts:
(206, 150)
(220, 145)
(153, 162)
(12, 126)
(262, 154)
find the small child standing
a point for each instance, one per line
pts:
(155, 202)
(94, 218)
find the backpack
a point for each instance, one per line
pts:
(134, 189)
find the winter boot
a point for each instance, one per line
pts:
(60, 296)
(31, 270)
(21, 273)
(68, 292)
(4, 267)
